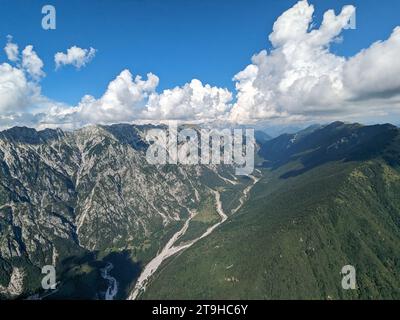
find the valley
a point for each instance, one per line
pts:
(72, 199)
(171, 249)
(118, 228)
(304, 220)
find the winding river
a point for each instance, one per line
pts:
(112, 289)
(170, 249)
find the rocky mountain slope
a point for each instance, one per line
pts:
(88, 201)
(66, 195)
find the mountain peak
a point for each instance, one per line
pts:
(30, 135)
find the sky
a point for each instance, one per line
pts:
(238, 60)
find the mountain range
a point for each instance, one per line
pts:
(328, 198)
(320, 199)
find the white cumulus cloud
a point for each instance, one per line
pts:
(299, 76)
(16, 91)
(75, 56)
(11, 50)
(129, 98)
(301, 79)
(32, 63)
(374, 72)
(123, 100)
(193, 101)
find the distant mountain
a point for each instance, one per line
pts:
(276, 130)
(337, 141)
(261, 137)
(328, 197)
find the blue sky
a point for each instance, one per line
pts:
(256, 60)
(176, 39)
